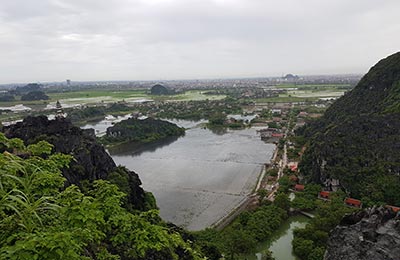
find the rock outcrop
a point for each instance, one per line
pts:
(91, 162)
(373, 233)
(159, 89)
(357, 140)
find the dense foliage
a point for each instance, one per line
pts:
(27, 88)
(306, 200)
(39, 219)
(242, 236)
(34, 95)
(90, 160)
(358, 139)
(310, 243)
(7, 98)
(159, 89)
(88, 113)
(95, 113)
(193, 110)
(136, 130)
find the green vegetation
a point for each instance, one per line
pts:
(79, 116)
(194, 110)
(40, 219)
(7, 98)
(307, 199)
(357, 138)
(141, 131)
(96, 93)
(248, 229)
(305, 93)
(34, 95)
(159, 89)
(220, 120)
(286, 99)
(310, 242)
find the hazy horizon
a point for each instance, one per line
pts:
(123, 40)
(63, 81)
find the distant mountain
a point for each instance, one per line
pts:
(290, 77)
(357, 141)
(159, 89)
(28, 88)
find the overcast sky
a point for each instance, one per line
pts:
(52, 40)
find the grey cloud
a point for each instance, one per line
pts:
(147, 39)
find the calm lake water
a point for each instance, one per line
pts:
(200, 177)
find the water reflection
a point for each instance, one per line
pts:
(135, 149)
(280, 243)
(218, 130)
(200, 177)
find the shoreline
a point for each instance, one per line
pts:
(247, 201)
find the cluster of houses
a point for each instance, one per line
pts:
(325, 195)
(270, 134)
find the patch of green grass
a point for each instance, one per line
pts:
(325, 87)
(284, 99)
(99, 93)
(315, 93)
(189, 95)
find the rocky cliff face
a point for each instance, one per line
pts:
(370, 234)
(358, 138)
(91, 162)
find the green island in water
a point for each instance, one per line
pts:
(135, 130)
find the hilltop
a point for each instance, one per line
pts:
(358, 138)
(91, 161)
(63, 197)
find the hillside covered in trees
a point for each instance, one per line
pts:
(357, 141)
(63, 197)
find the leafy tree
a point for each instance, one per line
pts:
(34, 95)
(217, 119)
(267, 255)
(239, 242)
(282, 201)
(273, 172)
(262, 193)
(40, 219)
(310, 242)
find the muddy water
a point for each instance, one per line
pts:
(200, 177)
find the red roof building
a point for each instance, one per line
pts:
(299, 187)
(324, 194)
(395, 209)
(303, 113)
(293, 178)
(293, 166)
(280, 135)
(353, 202)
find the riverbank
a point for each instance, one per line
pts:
(281, 240)
(249, 202)
(199, 178)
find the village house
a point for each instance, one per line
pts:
(293, 166)
(353, 202)
(395, 209)
(324, 195)
(299, 187)
(303, 114)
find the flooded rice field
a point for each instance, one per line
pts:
(200, 177)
